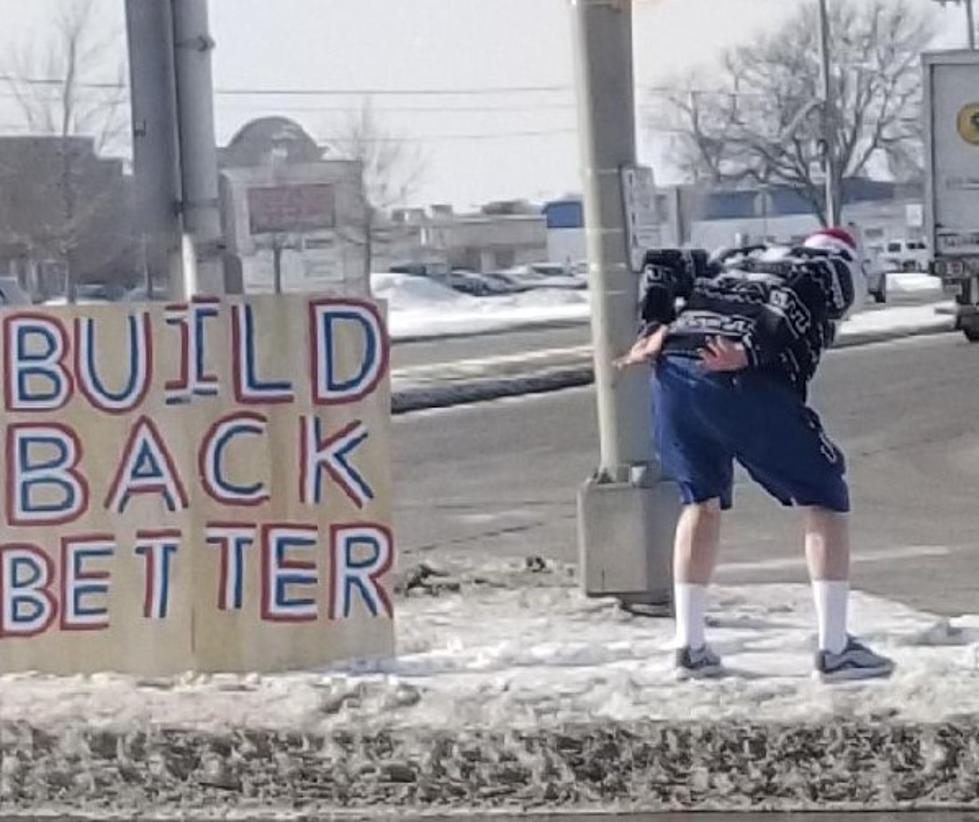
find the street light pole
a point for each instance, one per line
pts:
(625, 514)
(969, 16)
(833, 204)
(156, 160)
(193, 47)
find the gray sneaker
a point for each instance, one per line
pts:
(697, 663)
(855, 661)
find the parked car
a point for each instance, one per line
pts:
(876, 275)
(478, 285)
(533, 278)
(905, 255)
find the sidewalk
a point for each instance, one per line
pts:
(511, 691)
(477, 380)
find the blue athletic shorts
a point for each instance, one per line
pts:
(705, 421)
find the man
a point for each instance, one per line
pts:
(735, 341)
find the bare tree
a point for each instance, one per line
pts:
(391, 171)
(764, 120)
(72, 87)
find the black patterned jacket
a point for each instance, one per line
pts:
(783, 311)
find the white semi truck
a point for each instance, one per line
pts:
(951, 112)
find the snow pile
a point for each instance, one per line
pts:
(504, 658)
(913, 283)
(420, 307)
(897, 320)
(404, 292)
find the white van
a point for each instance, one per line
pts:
(905, 255)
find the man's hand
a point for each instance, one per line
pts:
(723, 355)
(645, 350)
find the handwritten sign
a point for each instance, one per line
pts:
(201, 486)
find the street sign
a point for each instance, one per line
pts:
(642, 222)
(291, 209)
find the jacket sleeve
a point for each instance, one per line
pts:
(668, 276)
(815, 291)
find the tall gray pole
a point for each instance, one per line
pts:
(971, 18)
(156, 161)
(198, 153)
(833, 204)
(625, 514)
(607, 130)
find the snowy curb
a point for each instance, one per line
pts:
(513, 691)
(641, 767)
(452, 384)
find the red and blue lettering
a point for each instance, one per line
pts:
(44, 485)
(330, 386)
(332, 455)
(140, 347)
(158, 548)
(146, 467)
(249, 388)
(280, 573)
(84, 592)
(194, 379)
(231, 540)
(360, 554)
(210, 460)
(27, 607)
(36, 377)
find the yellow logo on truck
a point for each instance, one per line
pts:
(968, 123)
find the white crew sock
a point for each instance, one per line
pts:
(831, 600)
(690, 603)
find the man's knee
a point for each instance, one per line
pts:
(708, 509)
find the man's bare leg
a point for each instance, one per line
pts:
(695, 550)
(827, 538)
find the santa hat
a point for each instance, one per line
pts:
(833, 239)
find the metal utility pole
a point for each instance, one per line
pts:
(193, 45)
(626, 515)
(833, 202)
(156, 161)
(969, 16)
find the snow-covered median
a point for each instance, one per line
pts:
(509, 697)
(512, 659)
(419, 307)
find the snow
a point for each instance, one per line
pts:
(419, 307)
(897, 320)
(915, 283)
(527, 657)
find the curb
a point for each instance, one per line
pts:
(867, 765)
(453, 392)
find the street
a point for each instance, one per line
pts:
(499, 479)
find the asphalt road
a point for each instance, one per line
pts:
(499, 479)
(559, 335)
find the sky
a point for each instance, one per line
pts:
(472, 147)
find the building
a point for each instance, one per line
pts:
(499, 236)
(715, 217)
(63, 207)
(296, 220)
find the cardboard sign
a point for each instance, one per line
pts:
(195, 487)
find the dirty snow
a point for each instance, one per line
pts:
(494, 657)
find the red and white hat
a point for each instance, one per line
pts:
(833, 239)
